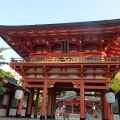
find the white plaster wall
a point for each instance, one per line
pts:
(89, 76)
(54, 76)
(94, 50)
(99, 76)
(30, 69)
(12, 112)
(39, 76)
(72, 51)
(87, 50)
(57, 51)
(116, 117)
(99, 70)
(31, 76)
(23, 112)
(5, 99)
(2, 112)
(44, 51)
(73, 76)
(39, 70)
(54, 69)
(89, 70)
(72, 69)
(73, 39)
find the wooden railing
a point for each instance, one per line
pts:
(68, 60)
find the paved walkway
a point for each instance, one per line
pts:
(13, 118)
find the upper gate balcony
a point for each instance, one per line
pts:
(67, 60)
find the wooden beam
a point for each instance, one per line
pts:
(95, 87)
(36, 86)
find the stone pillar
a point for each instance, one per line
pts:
(36, 104)
(43, 107)
(29, 105)
(19, 109)
(49, 111)
(82, 101)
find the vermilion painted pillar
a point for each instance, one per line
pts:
(102, 105)
(105, 107)
(49, 111)
(19, 109)
(36, 104)
(82, 101)
(29, 105)
(8, 104)
(54, 106)
(109, 109)
(72, 108)
(43, 108)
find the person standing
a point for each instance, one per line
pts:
(87, 116)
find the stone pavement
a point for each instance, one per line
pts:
(13, 118)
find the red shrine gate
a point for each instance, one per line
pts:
(59, 57)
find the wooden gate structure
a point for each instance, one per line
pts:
(82, 56)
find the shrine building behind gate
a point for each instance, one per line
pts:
(80, 57)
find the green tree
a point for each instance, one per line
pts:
(116, 82)
(5, 74)
(2, 88)
(2, 72)
(1, 56)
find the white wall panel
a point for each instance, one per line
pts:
(72, 70)
(39, 76)
(2, 112)
(39, 70)
(30, 69)
(31, 76)
(116, 117)
(54, 69)
(89, 76)
(73, 76)
(99, 76)
(54, 76)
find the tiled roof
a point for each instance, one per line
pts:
(101, 22)
(13, 82)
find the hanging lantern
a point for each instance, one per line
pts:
(18, 94)
(110, 96)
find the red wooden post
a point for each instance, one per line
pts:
(8, 103)
(54, 105)
(19, 110)
(29, 105)
(49, 111)
(82, 101)
(36, 104)
(43, 108)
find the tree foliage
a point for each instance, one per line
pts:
(39, 102)
(5, 74)
(116, 82)
(2, 72)
(1, 50)
(2, 88)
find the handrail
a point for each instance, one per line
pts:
(68, 59)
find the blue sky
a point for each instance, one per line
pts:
(30, 12)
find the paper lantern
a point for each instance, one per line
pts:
(18, 94)
(110, 96)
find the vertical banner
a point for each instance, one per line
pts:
(64, 46)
